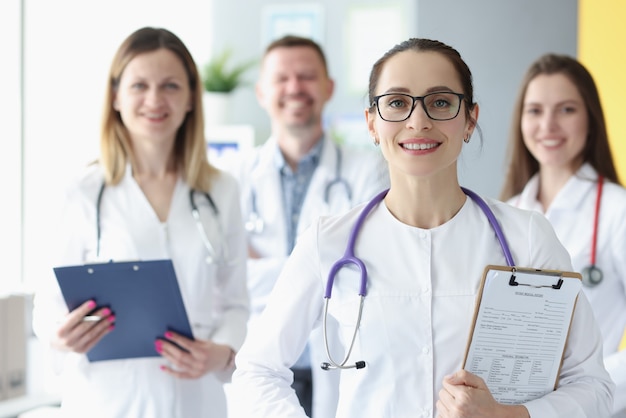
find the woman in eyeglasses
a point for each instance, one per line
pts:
(425, 244)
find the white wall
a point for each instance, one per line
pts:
(10, 157)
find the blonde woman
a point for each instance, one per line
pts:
(136, 203)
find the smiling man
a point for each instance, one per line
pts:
(297, 175)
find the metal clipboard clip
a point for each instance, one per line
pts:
(514, 282)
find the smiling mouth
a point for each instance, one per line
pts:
(296, 101)
(155, 116)
(295, 104)
(415, 147)
(551, 142)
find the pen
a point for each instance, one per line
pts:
(91, 318)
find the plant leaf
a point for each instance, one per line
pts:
(219, 76)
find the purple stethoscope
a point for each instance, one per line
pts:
(350, 258)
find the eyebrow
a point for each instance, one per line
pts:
(164, 79)
(561, 103)
(434, 89)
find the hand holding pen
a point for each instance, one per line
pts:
(83, 327)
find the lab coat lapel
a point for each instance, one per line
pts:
(572, 196)
(265, 180)
(314, 204)
(528, 198)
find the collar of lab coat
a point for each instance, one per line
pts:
(266, 165)
(128, 181)
(266, 179)
(571, 195)
(313, 156)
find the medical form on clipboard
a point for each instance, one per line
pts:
(521, 323)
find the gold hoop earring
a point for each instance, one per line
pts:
(466, 139)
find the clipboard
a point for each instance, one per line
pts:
(520, 328)
(144, 297)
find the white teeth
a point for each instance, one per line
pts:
(413, 146)
(551, 142)
(294, 104)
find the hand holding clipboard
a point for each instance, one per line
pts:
(144, 297)
(521, 323)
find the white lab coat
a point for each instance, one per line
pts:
(215, 297)
(572, 215)
(421, 291)
(366, 174)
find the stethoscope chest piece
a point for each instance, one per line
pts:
(591, 276)
(255, 223)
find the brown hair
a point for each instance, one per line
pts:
(190, 146)
(291, 41)
(521, 163)
(427, 45)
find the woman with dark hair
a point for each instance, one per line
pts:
(424, 244)
(560, 164)
(135, 203)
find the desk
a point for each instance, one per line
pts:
(42, 384)
(11, 408)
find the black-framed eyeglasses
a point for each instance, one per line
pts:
(398, 107)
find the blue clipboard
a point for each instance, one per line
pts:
(143, 295)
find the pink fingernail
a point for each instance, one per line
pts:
(168, 334)
(111, 318)
(111, 327)
(158, 346)
(91, 304)
(162, 367)
(106, 311)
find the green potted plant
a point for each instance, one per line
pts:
(220, 77)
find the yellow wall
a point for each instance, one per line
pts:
(602, 49)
